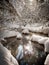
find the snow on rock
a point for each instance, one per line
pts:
(25, 31)
(46, 45)
(36, 29)
(41, 29)
(19, 35)
(7, 33)
(43, 40)
(38, 38)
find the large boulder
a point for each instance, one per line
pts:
(7, 34)
(47, 60)
(38, 38)
(6, 57)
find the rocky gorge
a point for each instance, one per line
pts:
(24, 32)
